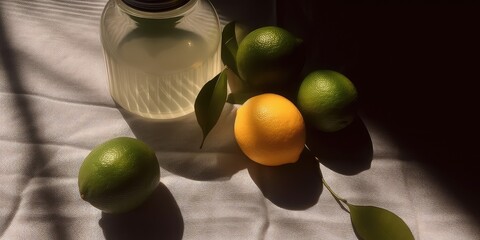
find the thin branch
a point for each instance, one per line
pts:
(341, 201)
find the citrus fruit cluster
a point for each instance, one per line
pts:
(119, 175)
(269, 128)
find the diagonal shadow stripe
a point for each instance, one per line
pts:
(27, 120)
(63, 13)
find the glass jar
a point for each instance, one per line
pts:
(159, 54)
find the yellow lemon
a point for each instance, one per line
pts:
(270, 130)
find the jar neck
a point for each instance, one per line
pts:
(155, 5)
(181, 9)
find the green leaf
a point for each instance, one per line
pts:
(209, 103)
(374, 223)
(229, 47)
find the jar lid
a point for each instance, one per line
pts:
(155, 5)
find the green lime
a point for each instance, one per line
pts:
(327, 100)
(118, 175)
(269, 57)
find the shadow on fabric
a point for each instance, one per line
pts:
(177, 145)
(298, 186)
(158, 218)
(295, 186)
(414, 70)
(38, 159)
(348, 151)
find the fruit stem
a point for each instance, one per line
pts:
(341, 201)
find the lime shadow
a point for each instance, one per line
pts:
(348, 151)
(159, 217)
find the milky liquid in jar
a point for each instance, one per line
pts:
(159, 58)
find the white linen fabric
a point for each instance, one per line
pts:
(55, 107)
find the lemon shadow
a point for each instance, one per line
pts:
(177, 145)
(295, 186)
(348, 151)
(158, 218)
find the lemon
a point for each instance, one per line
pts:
(327, 100)
(270, 130)
(118, 175)
(269, 57)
